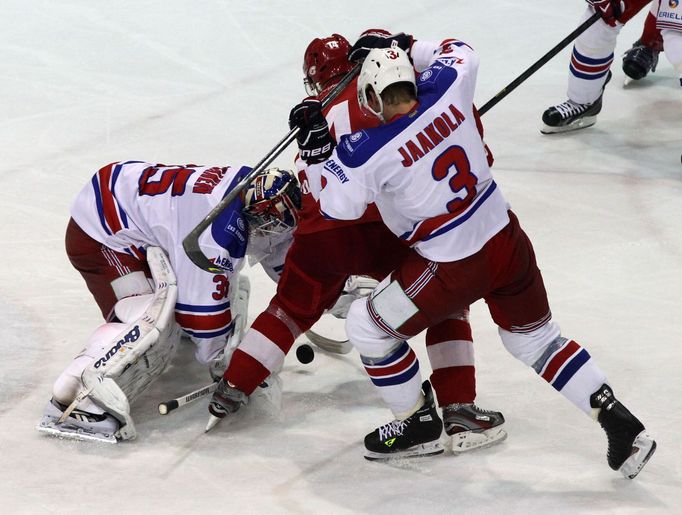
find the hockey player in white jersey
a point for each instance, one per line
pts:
(593, 55)
(127, 225)
(426, 170)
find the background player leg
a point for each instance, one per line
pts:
(450, 348)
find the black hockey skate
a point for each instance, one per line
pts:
(630, 447)
(571, 116)
(470, 427)
(639, 61)
(416, 436)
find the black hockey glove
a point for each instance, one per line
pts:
(315, 143)
(377, 39)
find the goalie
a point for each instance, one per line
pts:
(124, 237)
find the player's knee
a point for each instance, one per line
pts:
(529, 347)
(365, 335)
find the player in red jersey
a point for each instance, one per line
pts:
(319, 263)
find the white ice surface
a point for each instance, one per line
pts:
(85, 83)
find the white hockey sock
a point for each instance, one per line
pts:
(397, 379)
(590, 61)
(569, 368)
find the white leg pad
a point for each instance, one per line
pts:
(125, 358)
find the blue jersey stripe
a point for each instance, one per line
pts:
(114, 178)
(457, 221)
(201, 309)
(98, 201)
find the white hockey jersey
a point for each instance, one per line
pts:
(427, 170)
(131, 205)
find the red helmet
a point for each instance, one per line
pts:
(325, 59)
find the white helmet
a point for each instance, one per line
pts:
(381, 68)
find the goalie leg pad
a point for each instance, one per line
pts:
(125, 358)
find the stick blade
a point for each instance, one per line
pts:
(329, 344)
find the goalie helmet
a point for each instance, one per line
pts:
(271, 202)
(381, 68)
(325, 59)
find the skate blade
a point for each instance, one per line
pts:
(645, 447)
(416, 451)
(581, 123)
(59, 431)
(470, 440)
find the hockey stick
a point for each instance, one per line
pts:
(191, 241)
(539, 63)
(329, 344)
(166, 407)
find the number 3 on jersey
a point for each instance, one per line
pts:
(462, 183)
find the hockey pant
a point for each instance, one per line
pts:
(422, 294)
(314, 274)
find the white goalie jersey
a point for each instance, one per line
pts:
(129, 206)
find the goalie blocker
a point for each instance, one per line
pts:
(91, 398)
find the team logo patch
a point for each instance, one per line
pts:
(673, 3)
(426, 75)
(355, 137)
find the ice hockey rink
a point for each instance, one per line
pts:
(87, 83)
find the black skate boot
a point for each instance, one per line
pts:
(417, 435)
(571, 116)
(226, 399)
(630, 447)
(639, 61)
(470, 427)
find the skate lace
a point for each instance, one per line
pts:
(570, 108)
(394, 428)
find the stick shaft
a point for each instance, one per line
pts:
(191, 241)
(539, 63)
(173, 404)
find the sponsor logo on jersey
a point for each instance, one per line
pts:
(336, 170)
(672, 16)
(430, 136)
(223, 262)
(353, 142)
(426, 75)
(130, 337)
(236, 226)
(355, 137)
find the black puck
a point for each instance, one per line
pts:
(305, 353)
